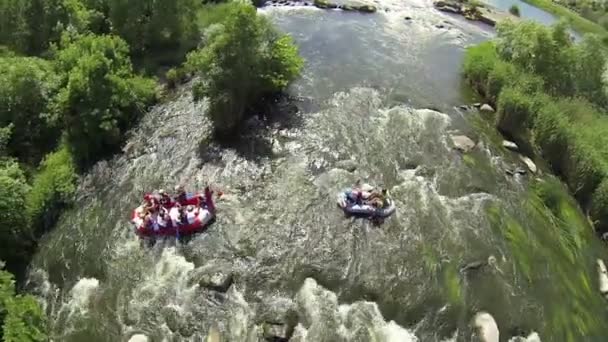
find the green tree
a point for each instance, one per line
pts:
(15, 235)
(590, 69)
(245, 58)
(99, 97)
(29, 26)
(21, 316)
(155, 25)
(26, 85)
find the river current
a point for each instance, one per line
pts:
(378, 91)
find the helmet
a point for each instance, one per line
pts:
(179, 189)
(162, 192)
(190, 207)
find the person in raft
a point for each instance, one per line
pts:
(365, 194)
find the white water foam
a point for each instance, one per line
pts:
(325, 320)
(80, 295)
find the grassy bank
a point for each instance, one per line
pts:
(578, 23)
(549, 92)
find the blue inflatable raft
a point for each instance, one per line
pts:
(347, 202)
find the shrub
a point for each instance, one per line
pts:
(15, 235)
(514, 10)
(516, 110)
(52, 188)
(599, 206)
(479, 61)
(174, 77)
(551, 135)
(506, 74)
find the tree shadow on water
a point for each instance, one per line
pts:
(257, 138)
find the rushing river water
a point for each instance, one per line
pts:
(291, 255)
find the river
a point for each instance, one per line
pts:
(383, 92)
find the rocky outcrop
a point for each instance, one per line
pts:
(448, 6)
(474, 12)
(139, 338)
(462, 143)
(486, 328)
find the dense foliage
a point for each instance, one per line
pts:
(15, 235)
(26, 86)
(244, 59)
(551, 91)
(23, 319)
(99, 97)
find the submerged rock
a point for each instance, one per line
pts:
(448, 6)
(510, 145)
(348, 165)
(215, 276)
(529, 163)
(486, 108)
(486, 327)
(602, 277)
(277, 332)
(462, 143)
(408, 18)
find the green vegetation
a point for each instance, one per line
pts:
(69, 92)
(579, 23)
(514, 10)
(261, 62)
(551, 91)
(24, 320)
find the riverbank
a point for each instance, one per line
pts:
(576, 21)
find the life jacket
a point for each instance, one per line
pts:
(192, 216)
(188, 199)
(162, 221)
(174, 215)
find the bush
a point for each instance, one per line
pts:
(514, 10)
(15, 234)
(479, 61)
(517, 109)
(100, 96)
(21, 316)
(260, 61)
(52, 188)
(26, 85)
(175, 76)
(599, 206)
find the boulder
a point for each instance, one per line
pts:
(462, 143)
(440, 26)
(277, 332)
(216, 276)
(324, 4)
(486, 108)
(486, 328)
(408, 18)
(139, 338)
(602, 277)
(214, 335)
(366, 8)
(510, 145)
(477, 105)
(529, 163)
(348, 165)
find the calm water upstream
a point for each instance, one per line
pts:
(292, 255)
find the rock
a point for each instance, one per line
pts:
(366, 8)
(464, 107)
(216, 276)
(486, 327)
(476, 104)
(510, 145)
(440, 26)
(139, 338)
(529, 163)
(520, 171)
(408, 18)
(324, 4)
(214, 335)
(473, 266)
(348, 165)
(486, 108)
(509, 172)
(462, 143)
(277, 332)
(602, 277)
(448, 6)
(172, 318)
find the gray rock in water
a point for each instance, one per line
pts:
(486, 108)
(172, 318)
(464, 107)
(408, 18)
(277, 332)
(139, 338)
(473, 266)
(348, 165)
(477, 105)
(529, 163)
(510, 145)
(463, 143)
(216, 276)
(440, 26)
(602, 277)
